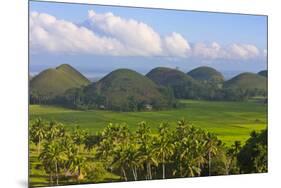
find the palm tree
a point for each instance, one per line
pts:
(78, 164)
(54, 130)
(120, 160)
(147, 152)
(53, 156)
(164, 147)
(79, 136)
(211, 146)
(132, 155)
(38, 133)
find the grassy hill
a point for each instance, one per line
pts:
(54, 82)
(263, 73)
(183, 85)
(125, 89)
(205, 73)
(247, 81)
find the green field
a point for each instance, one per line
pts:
(230, 121)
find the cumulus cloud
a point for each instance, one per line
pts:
(108, 34)
(138, 37)
(53, 35)
(233, 51)
(176, 45)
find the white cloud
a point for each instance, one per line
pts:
(108, 34)
(233, 51)
(243, 51)
(138, 37)
(265, 52)
(176, 45)
(53, 35)
(208, 51)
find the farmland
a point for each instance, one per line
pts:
(230, 121)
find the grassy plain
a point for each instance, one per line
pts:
(230, 121)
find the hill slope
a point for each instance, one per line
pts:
(54, 82)
(263, 73)
(205, 73)
(127, 90)
(182, 84)
(247, 81)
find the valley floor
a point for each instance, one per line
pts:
(230, 121)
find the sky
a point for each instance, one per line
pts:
(97, 39)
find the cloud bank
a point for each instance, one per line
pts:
(111, 35)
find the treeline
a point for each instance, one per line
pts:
(77, 98)
(79, 156)
(86, 98)
(211, 90)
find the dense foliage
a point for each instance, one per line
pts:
(78, 156)
(253, 156)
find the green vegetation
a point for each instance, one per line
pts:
(126, 126)
(206, 74)
(54, 82)
(125, 90)
(253, 156)
(183, 86)
(229, 120)
(263, 73)
(118, 154)
(247, 81)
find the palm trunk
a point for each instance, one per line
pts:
(163, 166)
(38, 147)
(209, 163)
(150, 173)
(51, 178)
(57, 176)
(163, 169)
(199, 166)
(134, 174)
(124, 173)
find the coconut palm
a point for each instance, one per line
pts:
(53, 157)
(120, 160)
(77, 166)
(164, 147)
(211, 148)
(54, 130)
(38, 133)
(147, 151)
(78, 136)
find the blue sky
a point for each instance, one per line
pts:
(249, 32)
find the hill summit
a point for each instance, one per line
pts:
(247, 81)
(54, 82)
(205, 73)
(183, 85)
(263, 73)
(127, 90)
